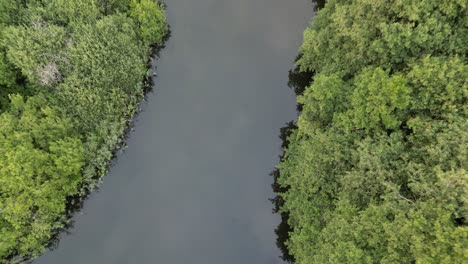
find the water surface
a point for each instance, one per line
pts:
(193, 185)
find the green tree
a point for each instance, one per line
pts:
(38, 51)
(63, 12)
(150, 19)
(10, 12)
(8, 78)
(113, 6)
(108, 62)
(40, 162)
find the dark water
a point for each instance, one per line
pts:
(194, 184)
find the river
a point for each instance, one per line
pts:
(193, 184)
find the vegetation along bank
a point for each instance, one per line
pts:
(71, 77)
(374, 169)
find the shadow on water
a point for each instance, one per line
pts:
(319, 4)
(298, 82)
(283, 229)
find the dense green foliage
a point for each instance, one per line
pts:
(375, 171)
(71, 75)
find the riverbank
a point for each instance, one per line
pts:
(374, 168)
(74, 74)
(193, 184)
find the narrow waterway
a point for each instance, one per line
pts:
(193, 185)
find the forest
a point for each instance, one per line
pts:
(374, 169)
(71, 76)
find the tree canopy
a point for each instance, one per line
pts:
(40, 162)
(375, 170)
